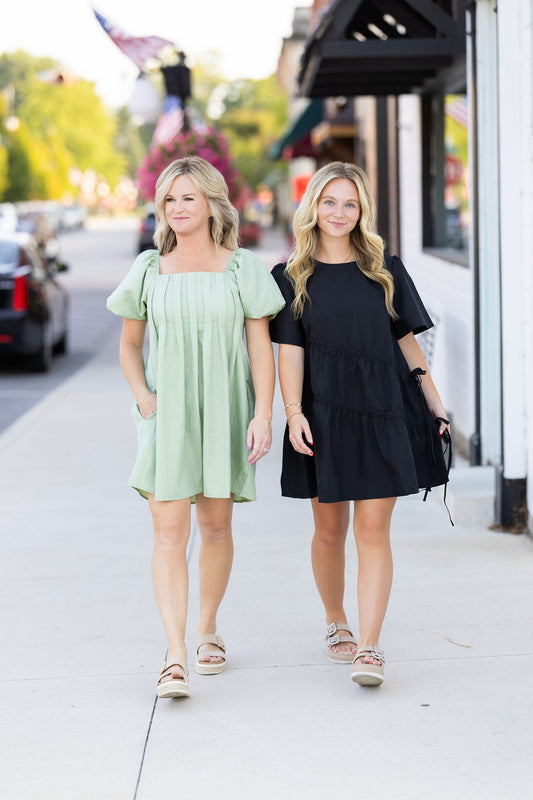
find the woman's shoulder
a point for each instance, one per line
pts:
(280, 276)
(148, 259)
(241, 257)
(245, 264)
(393, 263)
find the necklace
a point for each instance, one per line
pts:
(349, 257)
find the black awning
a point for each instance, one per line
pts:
(382, 47)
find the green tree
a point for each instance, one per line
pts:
(20, 71)
(3, 150)
(132, 141)
(251, 114)
(63, 124)
(71, 127)
(254, 114)
(20, 178)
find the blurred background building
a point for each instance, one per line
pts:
(433, 98)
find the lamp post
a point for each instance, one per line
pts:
(177, 79)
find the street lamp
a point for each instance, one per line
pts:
(177, 79)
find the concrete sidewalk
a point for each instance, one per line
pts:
(82, 642)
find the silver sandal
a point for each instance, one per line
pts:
(368, 674)
(333, 638)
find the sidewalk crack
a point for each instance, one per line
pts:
(190, 548)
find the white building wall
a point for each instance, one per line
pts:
(512, 168)
(445, 288)
(526, 80)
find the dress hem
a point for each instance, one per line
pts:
(237, 498)
(350, 499)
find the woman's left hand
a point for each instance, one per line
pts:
(440, 414)
(258, 439)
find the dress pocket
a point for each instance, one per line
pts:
(136, 412)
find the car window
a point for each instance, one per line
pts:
(8, 253)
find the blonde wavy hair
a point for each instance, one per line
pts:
(224, 218)
(367, 246)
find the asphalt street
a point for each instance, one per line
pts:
(98, 256)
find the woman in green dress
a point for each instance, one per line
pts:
(202, 407)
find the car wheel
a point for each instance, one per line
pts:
(42, 360)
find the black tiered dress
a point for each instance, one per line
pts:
(373, 433)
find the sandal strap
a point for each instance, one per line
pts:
(337, 626)
(332, 637)
(211, 638)
(332, 640)
(167, 666)
(371, 652)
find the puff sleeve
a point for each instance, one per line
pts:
(129, 298)
(412, 314)
(285, 329)
(260, 296)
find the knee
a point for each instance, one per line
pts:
(330, 535)
(372, 532)
(215, 532)
(171, 537)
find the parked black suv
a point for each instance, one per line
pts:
(33, 303)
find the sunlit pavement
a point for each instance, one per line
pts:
(82, 642)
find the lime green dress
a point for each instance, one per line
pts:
(198, 367)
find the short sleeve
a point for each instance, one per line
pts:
(285, 329)
(412, 314)
(129, 298)
(260, 296)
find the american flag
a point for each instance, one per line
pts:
(170, 121)
(138, 48)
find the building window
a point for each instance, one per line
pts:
(445, 175)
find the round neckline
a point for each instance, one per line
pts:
(196, 271)
(334, 263)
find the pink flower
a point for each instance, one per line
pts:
(211, 146)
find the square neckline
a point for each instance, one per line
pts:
(195, 271)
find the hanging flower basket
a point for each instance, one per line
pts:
(210, 145)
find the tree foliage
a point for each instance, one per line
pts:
(63, 125)
(254, 114)
(250, 113)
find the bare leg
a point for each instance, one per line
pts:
(372, 537)
(215, 561)
(172, 525)
(328, 559)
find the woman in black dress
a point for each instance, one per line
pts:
(364, 418)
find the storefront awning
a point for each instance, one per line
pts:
(381, 47)
(298, 130)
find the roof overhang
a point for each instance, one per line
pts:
(296, 135)
(382, 47)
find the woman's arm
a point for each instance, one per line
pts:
(132, 363)
(415, 358)
(291, 379)
(261, 356)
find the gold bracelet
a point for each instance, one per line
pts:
(292, 404)
(293, 415)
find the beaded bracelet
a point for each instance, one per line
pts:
(292, 404)
(293, 415)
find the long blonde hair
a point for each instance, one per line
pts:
(366, 245)
(224, 218)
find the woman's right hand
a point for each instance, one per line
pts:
(298, 428)
(147, 405)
